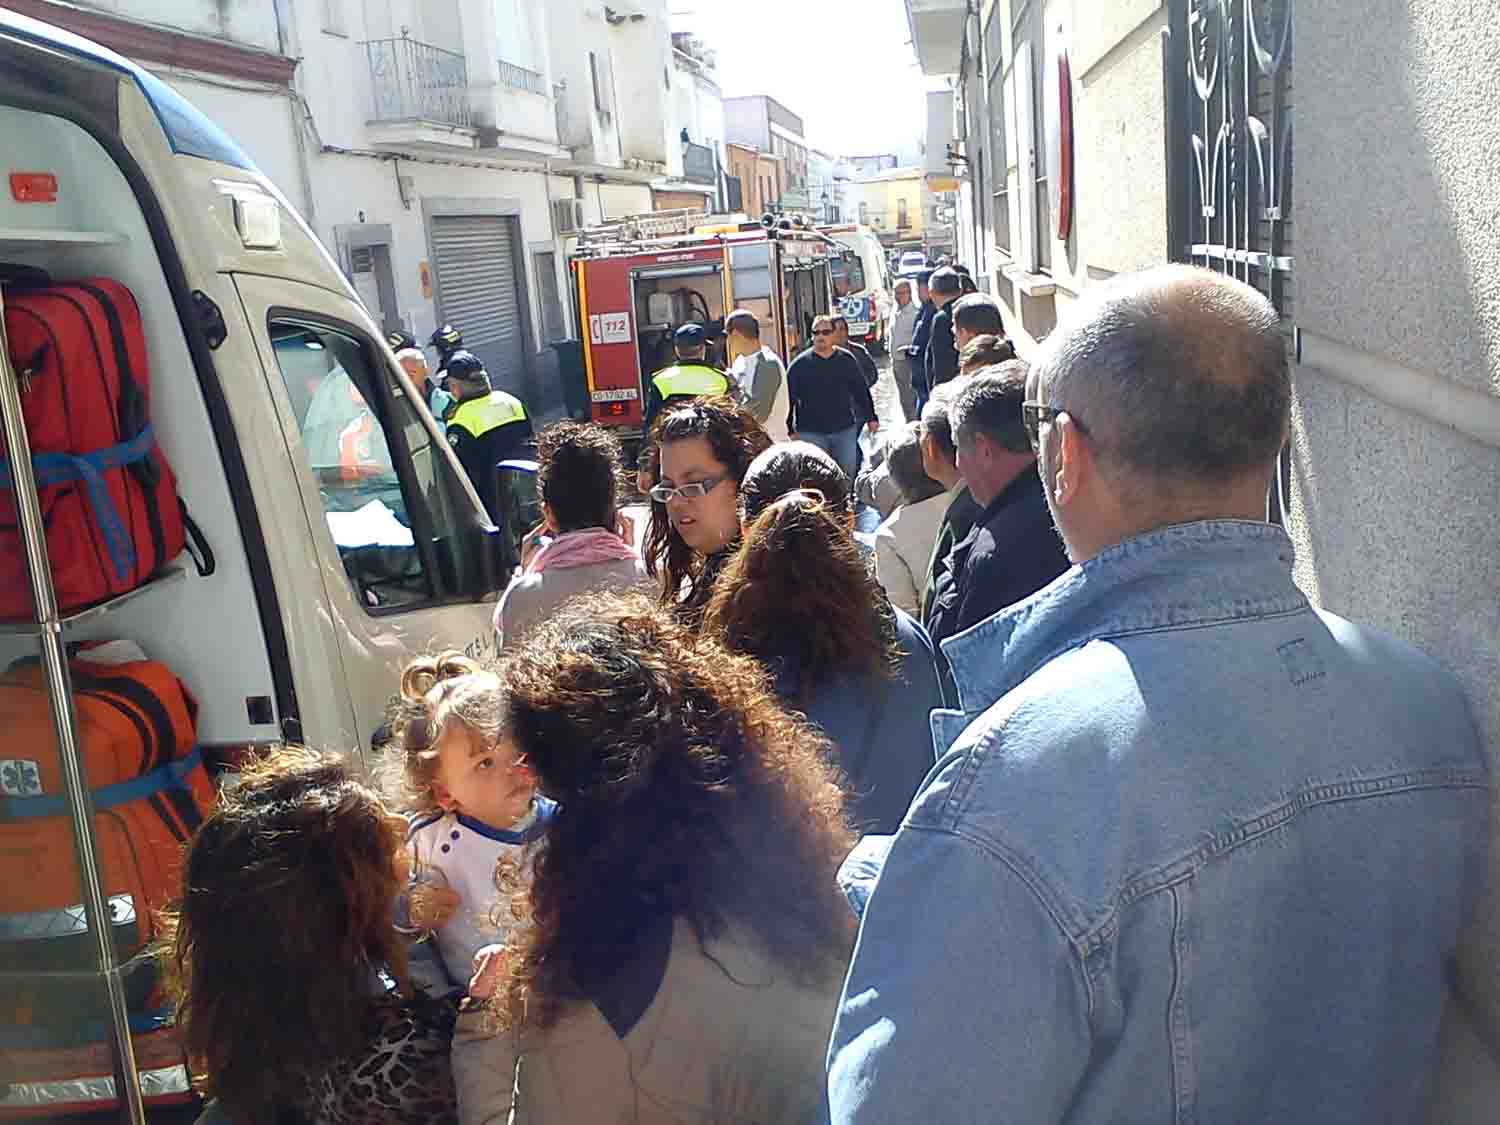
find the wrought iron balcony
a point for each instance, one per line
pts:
(698, 165)
(413, 81)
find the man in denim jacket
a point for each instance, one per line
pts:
(1194, 850)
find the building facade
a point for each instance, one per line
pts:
(1370, 227)
(765, 124)
(896, 205)
(759, 177)
(443, 150)
(696, 160)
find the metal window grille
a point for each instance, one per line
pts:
(522, 78)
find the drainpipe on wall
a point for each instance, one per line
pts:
(286, 43)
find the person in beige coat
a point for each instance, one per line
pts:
(903, 543)
(687, 940)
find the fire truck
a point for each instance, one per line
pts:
(637, 280)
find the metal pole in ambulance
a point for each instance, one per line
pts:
(47, 628)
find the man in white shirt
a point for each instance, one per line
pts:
(758, 371)
(899, 336)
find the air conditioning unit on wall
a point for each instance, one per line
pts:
(567, 215)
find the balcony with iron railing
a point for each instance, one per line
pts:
(419, 93)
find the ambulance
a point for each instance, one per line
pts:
(859, 283)
(637, 281)
(263, 364)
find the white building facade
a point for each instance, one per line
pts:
(443, 150)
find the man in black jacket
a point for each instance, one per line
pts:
(829, 398)
(1013, 550)
(942, 353)
(940, 462)
(860, 353)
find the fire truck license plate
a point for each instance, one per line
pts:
(622, 394)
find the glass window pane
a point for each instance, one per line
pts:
(331, 383)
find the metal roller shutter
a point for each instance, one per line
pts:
(478, 289)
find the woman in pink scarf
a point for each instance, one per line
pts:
(577, 480)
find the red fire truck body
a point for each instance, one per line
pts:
(633, 293)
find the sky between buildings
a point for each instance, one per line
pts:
(846, 66)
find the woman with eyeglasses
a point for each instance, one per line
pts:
(799, 596)
(696, 455)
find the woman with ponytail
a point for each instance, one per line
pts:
(799, 596)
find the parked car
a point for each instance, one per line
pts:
(911, 261)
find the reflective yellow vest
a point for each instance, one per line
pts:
(481, 415)
(689, 380)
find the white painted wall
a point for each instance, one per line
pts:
(248, 22)
(643, 80)
(260, 119)
(575, 28)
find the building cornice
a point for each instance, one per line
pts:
(152, 43)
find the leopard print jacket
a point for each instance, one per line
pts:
(403, 1076)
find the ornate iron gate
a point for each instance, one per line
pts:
(1229, 153)
(1230, 141)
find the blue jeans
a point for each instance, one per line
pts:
(842, 446)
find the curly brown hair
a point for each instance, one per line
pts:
(798, 586)
(436, 691)
(578, 474)
(283, 918)
(685, 789)
(735, 438)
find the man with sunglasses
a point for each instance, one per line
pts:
(829, 398)
(1194, 849)
(1012, 550)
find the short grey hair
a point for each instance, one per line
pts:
(1177, 374)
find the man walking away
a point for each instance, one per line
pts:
(942, 355)
(756, 369)
(829, 398)
(690, 377)
(1202, 851)
(940, 462)
(860, 353)
(486, 427)
(900, 330)
(977, 314)
(1012, 550)
(920, 339)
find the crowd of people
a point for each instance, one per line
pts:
(1060, 803)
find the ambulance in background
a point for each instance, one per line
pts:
(859, 282)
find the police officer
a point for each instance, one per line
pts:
(445, 341)
(486, 427)
(690, 377)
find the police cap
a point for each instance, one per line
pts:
(467, 366)
(690, 335)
